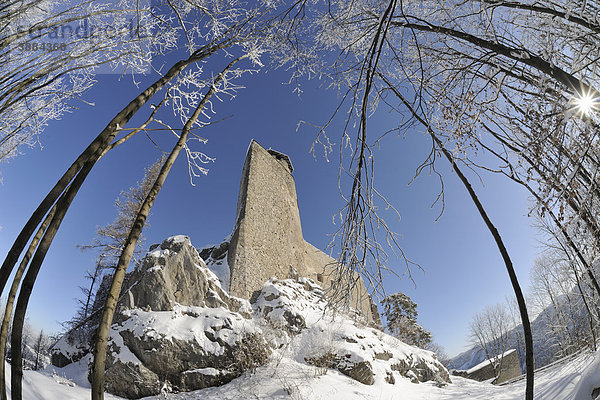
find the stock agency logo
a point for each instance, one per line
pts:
(104, 36)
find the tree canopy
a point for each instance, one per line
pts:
(401, 315)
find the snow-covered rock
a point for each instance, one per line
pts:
(588, 387)
(187, 348)
(215, 257)
(174, 273)
(325, 338)
(67, 350)
(175, 327)
(178, 328)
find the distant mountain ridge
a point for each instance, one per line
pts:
(545, 344)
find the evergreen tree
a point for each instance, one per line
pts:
(401, 314)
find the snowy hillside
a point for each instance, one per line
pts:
(178, 330)
(285, 377)
(179, 335)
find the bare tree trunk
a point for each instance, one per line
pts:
(584, 214)
(23, 265)
(11, 298)
(79, 169)
(129, 247)
(587, 308)
(91, 154)
(563, 230)
(529, 360)
(90, 292)
(27, 286)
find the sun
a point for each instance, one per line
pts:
(586, 103)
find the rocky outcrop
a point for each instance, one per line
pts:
(131, 380)
(177, 323)
(361, 371)
(188, 347)
(175, 328)
(178, 330)
(174, 273)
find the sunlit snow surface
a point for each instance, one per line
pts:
(285, 378)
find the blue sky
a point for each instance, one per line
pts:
(463, 271)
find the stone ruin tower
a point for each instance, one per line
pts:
(267, 238)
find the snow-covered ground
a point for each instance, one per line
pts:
(285, 378)
(305, 338)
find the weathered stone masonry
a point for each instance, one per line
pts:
(267, 238)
